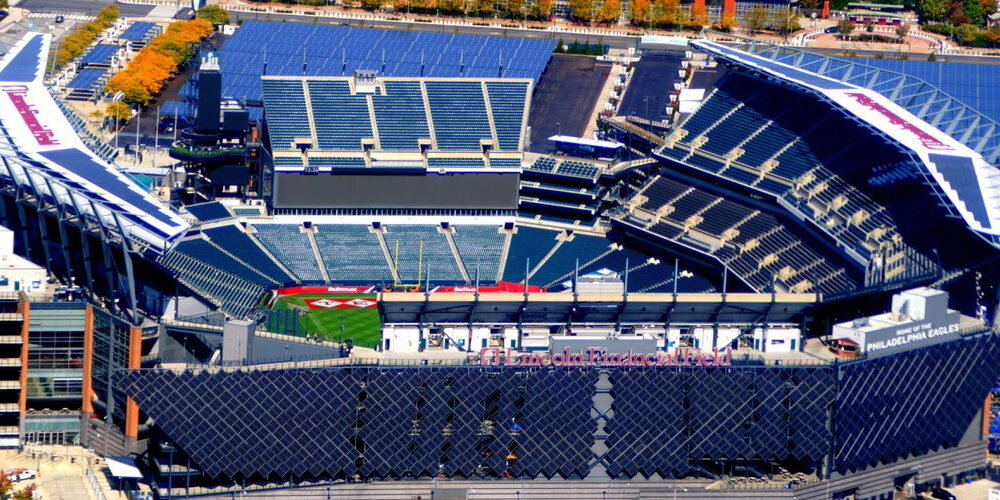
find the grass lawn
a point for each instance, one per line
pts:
(361, 325)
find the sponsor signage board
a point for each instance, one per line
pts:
(898, 338)
(599, 357)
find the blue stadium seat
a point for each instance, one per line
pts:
(480, 246)
(455, 163)
(341, 119)
(291, 246)
(351, 254)
(400, 116)
(459, 113)
(289, 119)
(201, 249)
(242, 246)
(527, 243)
(582, 248)
(507, 102)
(414, 247)
(207, 212)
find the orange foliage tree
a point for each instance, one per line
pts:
(699, 16)
(149, 70)
(75, 43)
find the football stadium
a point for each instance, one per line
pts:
(411, 264)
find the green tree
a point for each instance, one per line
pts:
(869, 26)
(845, 27)
(932, 58)
(667, 11)
(560, 47)
(973, 9)
(756, 18)
(583, 9)
(214, 14)
(966, 33)
(992, 35)
(933, 10)
(787, 21)
(901, 31)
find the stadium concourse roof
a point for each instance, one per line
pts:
(969, 183)
(49, 156)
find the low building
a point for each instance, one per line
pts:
(17, 273)
(918, 317)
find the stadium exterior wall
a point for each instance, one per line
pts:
(381, 421)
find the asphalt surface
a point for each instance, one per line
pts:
(88, 7)
(565, 98)
(652, 80)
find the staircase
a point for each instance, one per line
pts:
(318, 256)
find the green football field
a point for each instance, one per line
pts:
(361, 325)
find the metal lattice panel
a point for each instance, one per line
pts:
(392, 421)
(913, 402)
(558, 431)
(664, 419)
(374, 421)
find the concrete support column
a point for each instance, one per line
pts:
(24, 307)
(87, 404)
(134, 359)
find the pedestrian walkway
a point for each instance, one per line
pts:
(68, 17)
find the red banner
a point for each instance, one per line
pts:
(292, 290)
(336, 302)
(501, 286)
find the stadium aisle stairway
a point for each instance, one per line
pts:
(480, 246)
(351, 254)
(414, 248)
(242, 246)
(529, 243)
(291, 246)
(582, 248)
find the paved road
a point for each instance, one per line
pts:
(616, 41)
(89, 7)
(613, 41)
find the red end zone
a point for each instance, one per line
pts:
(338, 302)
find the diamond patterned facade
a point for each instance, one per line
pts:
(381, 421)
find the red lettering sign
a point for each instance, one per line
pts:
(325, 289)
(928, 140)
(596, 356)
(43, 135)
